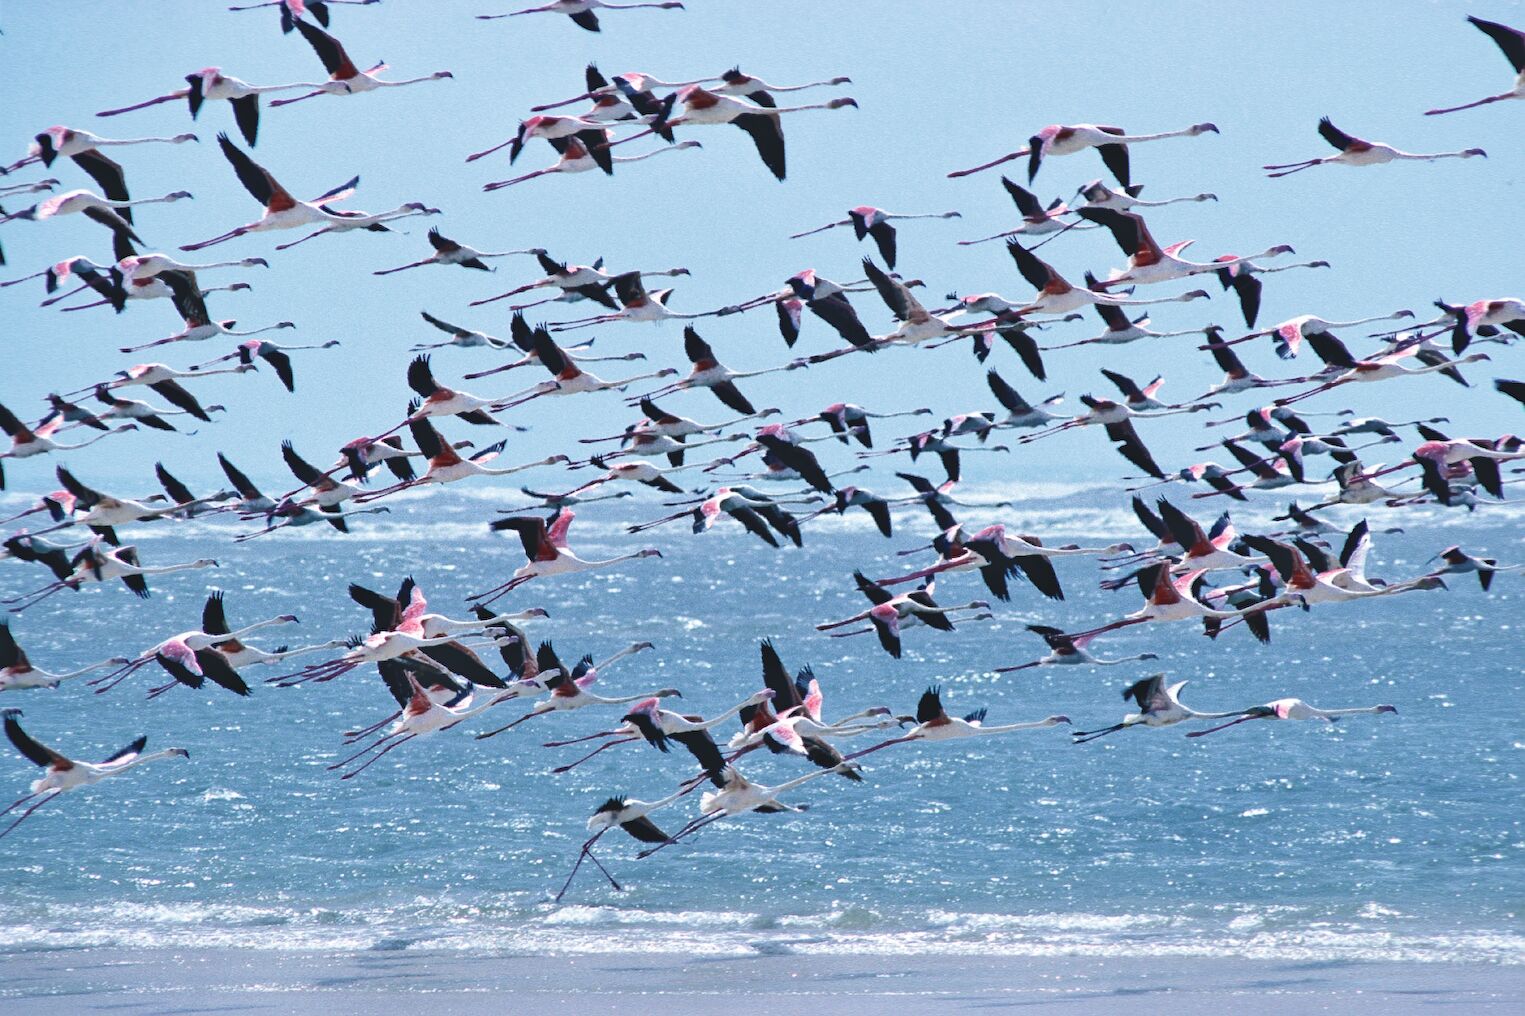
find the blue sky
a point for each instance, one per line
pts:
(941, 86)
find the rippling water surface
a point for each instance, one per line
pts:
(1379, 837)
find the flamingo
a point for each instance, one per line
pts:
(1120, 329)
(1289, 335)
(1478, 316)
(290, 513)
(567, 377)
(272, 353)
(576, 159)
(420, 715)
(545, 547)
(636, 304)
(17, 672)
(1355, 151)
(934, 724)
(282, 211)
(451, 252)
(1159, 706)
(569, 690)
(210, 83)
(1099, 195)
(1037, 218)
(576, 282)
(709, 372)
(1512, 42)
(1240, 276)
(38, 440)
(181, 654)
(199, 325)
(101, 511)
(592, 134)
(1383, 367)
(628, 814)
(657, 420)
(1335, 584)
(373, 222)
(737, 796)
(1069, 650)
(866, 220)
(1459, 562)
(891, 612)
(1293, 709)
(1173, 598)
(165, 381)
(12, 189)
(96, 565)
(758, 119)
(342, 71)
(584, 13)
(84, 149)
(649, 721)
(445, 466)
(1057, 296)
(1148, 262)
(62, 773)
(1060, 139)
(103, 210)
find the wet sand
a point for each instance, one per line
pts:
(118, 981)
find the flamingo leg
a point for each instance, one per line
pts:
(18, 803)
(581, 854)
(607, 744)
(370, 747)
(351, 736)
(510, 726)
(372, 761)
(50, 794)
(1224, 726)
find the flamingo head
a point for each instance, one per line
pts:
(1203, 128)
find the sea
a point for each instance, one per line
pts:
(1380, 837)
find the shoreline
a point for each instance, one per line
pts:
(130, 981)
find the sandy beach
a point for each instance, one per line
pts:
(63, 982)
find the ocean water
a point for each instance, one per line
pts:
(1380, 837)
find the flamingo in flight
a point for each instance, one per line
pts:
(38, 440)
(934, 724)
(61, 773)
(739, 795)
(758, 118)
(649, 721)
(1148, 262)
(1293, 709)
(891, 612)
(342, 70)
(1289, 335)
(709, 372)
(569, 689)
(282, 211)
(199, 325)
(210, 83)
(1479, 316)
(567, 377)
(584, 13)
(576, 159)
(866, 220)
(1512, 42)
(1060, 139)
(451, 252)
(1056, 295)
(1069, 650)
(576, 282)
(1241, 277)
(106, 211)
(446, 466)
(628, 814)
(1355, 151)
(545, 546)
(84, 149)
(1099, 195)
(1159, 706)
(636, 304)
(17, 672)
